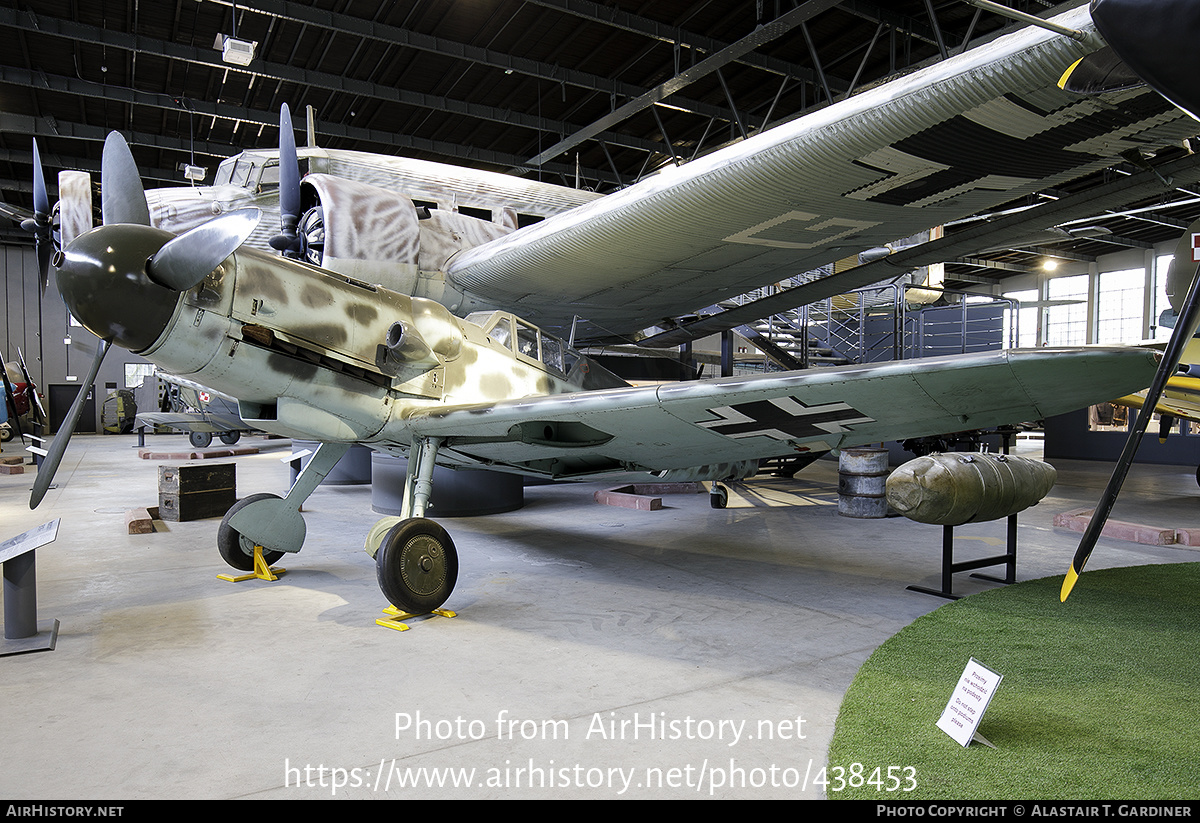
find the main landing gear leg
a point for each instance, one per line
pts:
(415, 560)
(274, 525)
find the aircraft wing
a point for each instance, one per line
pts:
(186, 422)
(708, 422)
(1181, 399)
(959, 137)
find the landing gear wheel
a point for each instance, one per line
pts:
(201, 440)
(1198, 475)
(236, 550)
(417, 565)
(718, 497)
(229, 438)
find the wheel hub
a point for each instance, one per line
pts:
(423, 564)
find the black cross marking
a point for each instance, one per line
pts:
(783, 418)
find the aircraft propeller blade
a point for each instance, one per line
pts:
(122, 199)
(1185, 328)
(288, 240)
(59, 445)
(187, 259)
(1099, 72)
(41, 223)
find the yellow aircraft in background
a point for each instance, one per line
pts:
(1180, 399)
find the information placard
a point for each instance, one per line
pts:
(964, 712)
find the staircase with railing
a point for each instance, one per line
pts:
(879, 324)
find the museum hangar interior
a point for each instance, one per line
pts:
(574, 600)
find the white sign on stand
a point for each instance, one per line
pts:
(964, 712)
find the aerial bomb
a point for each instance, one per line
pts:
(956, 488)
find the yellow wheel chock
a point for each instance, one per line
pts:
(395, 617)
(261, 570)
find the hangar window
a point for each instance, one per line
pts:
(1066, 317)
(1162, 265)
(136, 373)
(1121, 300)
(1020, 325)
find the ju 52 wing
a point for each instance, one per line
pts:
(954, 139)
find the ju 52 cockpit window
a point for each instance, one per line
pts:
(269, 179)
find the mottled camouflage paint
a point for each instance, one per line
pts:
(301, 347)
(74, 205)
(371, 228)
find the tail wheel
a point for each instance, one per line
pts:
(235, 549)
(417, 565)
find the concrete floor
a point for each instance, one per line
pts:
(598, 652)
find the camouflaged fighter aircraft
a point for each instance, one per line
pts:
(317, 353)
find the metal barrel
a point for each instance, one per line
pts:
(862, 475)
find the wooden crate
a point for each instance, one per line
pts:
(196, 491)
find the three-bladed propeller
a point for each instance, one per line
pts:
(110, 285)
(41, 224)
(1148, 36)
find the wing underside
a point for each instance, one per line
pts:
(964, 135)
(683, 425)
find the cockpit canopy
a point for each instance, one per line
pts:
(526, 340)
(249, 170)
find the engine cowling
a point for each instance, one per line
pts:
(360, 231)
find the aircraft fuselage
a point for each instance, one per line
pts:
(308, 353)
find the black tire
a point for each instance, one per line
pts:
(718, 498)
(236, 550)
(201, 440)
(229, 438)
(417, 565)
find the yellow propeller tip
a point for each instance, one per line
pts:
(1062, 81)
(1068, 584)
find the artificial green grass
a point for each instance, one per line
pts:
(1099, 698)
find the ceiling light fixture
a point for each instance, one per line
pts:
(234, 51)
